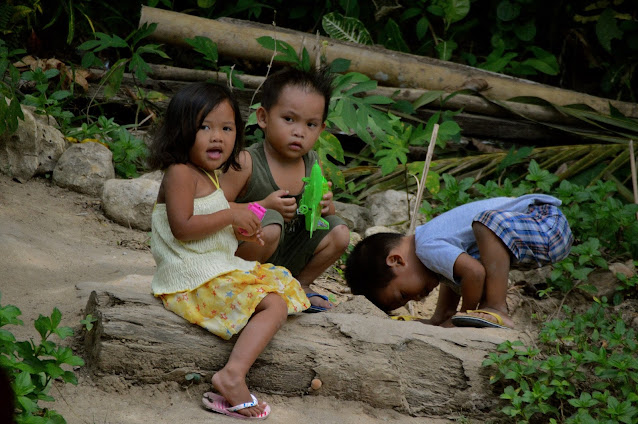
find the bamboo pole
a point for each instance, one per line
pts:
(426, 169)
(238, 39)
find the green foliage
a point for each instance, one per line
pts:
(129, 153)
(10, 110)
(593, 212)
(585, 369)
(286, 53)
(33, 366)
(135, 63)
(208, 49)
(46, 102)
(67, 10)
(344, 28)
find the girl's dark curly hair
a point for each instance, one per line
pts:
(184, 115)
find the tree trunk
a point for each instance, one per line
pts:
(414, 368)
(238, 39)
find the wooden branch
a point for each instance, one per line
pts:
(238, 39)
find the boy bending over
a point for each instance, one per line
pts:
(293, 110)
(470, 250)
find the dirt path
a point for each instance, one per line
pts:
(52, 239)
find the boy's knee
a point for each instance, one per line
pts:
(340, 238)
(271, 235)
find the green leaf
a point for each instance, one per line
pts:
(607, 29)
(340, 65)
(114, 78)
(455, 10)
(427, 98)
(285, 51)
(445, 49)
(22, 385)
(393, 39)
(205, 4)
(422, 27)
(344, 28)
(526, 32)
(206, 47)
(507, 11)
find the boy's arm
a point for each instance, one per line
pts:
(234, 181)
(472, 275)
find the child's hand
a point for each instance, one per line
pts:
(281, 202)
(245, 220)
(255, 238)
(327, 207)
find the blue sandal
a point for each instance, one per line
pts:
(313, 308)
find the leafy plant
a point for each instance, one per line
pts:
(50, 104)
(129, 153)
(33, 366)
(135, 63)
(584, 370)
(286, 53)
(10, 110)
(208, 49)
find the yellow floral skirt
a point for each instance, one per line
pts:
(224, 304)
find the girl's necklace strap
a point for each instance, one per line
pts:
(214, 179)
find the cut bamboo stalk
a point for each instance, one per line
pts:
(239, 39)
(426, 169)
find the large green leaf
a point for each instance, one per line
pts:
(345, 28)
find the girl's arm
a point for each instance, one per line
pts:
(180, 189)
(233, 182)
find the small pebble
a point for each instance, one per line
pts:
(315, 384)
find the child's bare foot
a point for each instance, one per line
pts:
(483, 317)
(320, 301)
(233, 388)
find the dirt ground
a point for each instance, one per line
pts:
(50, 240)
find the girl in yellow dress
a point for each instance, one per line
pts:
(194, 239)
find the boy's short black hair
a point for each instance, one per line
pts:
(184, 116)
(317, 80)
(367, 272)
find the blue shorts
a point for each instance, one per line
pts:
(538, 237)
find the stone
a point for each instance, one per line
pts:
(33, 149)
(356, 217)
(84, 167)
(389, 208)
(130, 202)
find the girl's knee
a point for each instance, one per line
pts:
(276, 303)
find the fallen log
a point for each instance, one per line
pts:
(469, 103)
(413, 368)
(238, 39)
(501, 126)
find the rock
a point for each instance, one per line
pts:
(357, 217)
(604, 281)
(413, 368)
(627, 269)
(130, 202)
(33, 149)
(379, 229)
(84, 168)
(389, 207)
